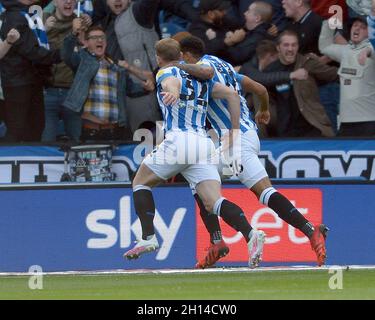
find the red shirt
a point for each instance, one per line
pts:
(322, 7)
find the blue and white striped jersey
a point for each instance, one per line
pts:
(371, 29)
(218, 113)
(190, 112)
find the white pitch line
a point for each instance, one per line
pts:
(188, 271)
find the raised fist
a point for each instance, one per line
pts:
(50, 23)
(211, 34)
(77, 26)
(12, 36)
(299, 74)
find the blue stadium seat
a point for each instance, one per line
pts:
(169, 29)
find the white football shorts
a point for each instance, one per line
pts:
(253, 169)
(190, 153)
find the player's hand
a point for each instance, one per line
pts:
(230, 151)
(169, 98)
(229, 140)
(263, 117)
(231, 161)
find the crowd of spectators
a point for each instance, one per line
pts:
(86, 71)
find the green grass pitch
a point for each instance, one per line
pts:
(357, 284)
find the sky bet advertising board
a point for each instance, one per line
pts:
(82, 228)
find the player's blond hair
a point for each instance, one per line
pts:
(168, 49)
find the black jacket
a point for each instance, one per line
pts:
(245, 50)
(308, 29)
(215, 46)
(269, 79)
(180, 8)
(23, 63)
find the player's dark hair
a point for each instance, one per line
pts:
(194, 45)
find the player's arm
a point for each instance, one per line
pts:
(220, 91)
(171, 90)
(231, 140)
(200, 71)
(248, 85)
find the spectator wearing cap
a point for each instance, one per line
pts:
(357, 77)
(258, 18)
(209, 26)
